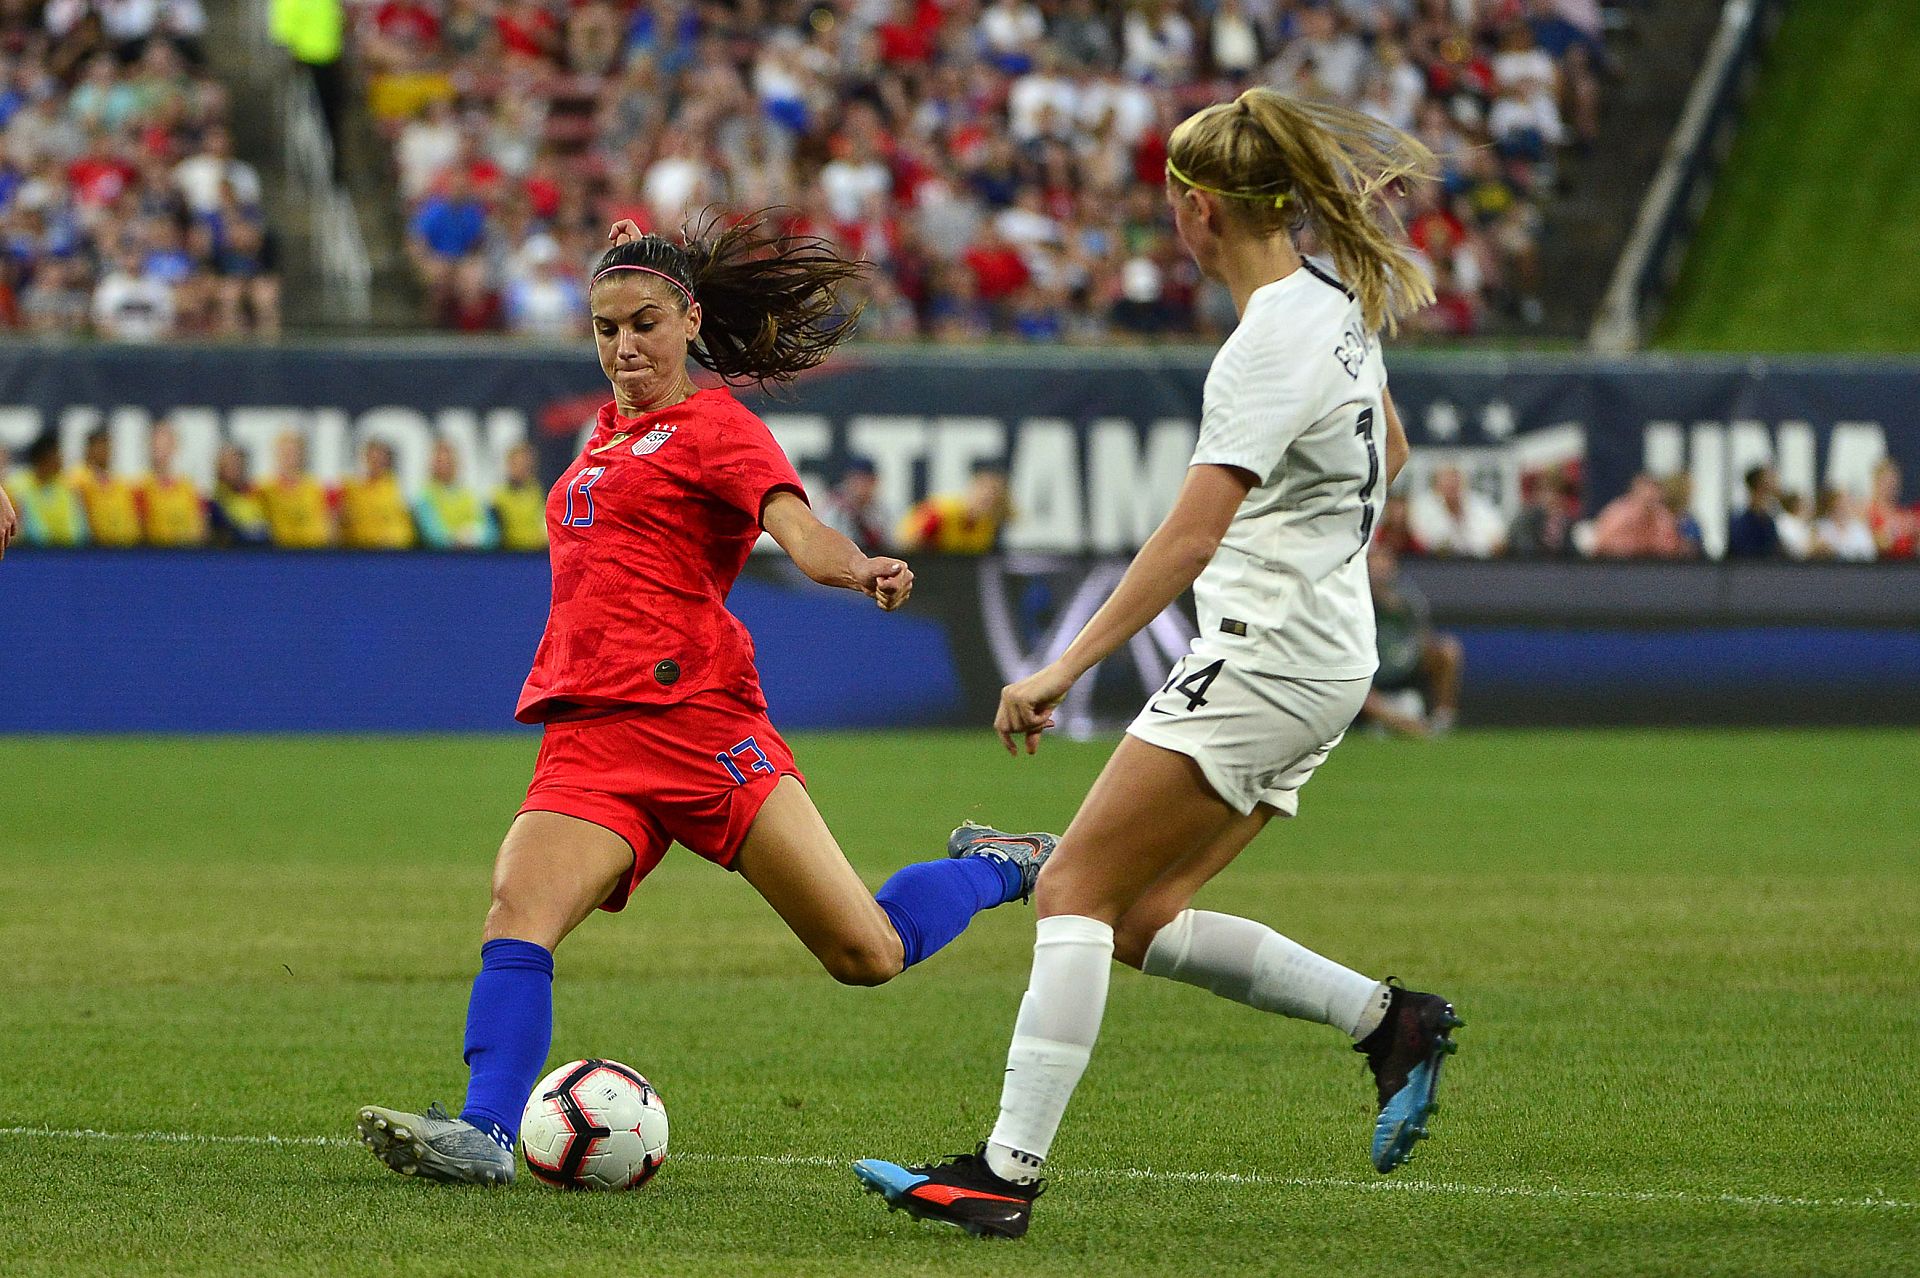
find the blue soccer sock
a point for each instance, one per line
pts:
(509, 1029)
(932, 902)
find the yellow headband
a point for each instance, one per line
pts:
(1176, 174)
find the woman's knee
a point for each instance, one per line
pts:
(1133, 934)
(869, 961)
(1070, 888)
(517, 912)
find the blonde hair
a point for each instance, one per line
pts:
(1287, 163)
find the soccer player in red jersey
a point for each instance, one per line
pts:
(656, 729)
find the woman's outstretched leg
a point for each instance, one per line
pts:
(552, 872)
(868, 938)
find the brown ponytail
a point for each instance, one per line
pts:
(1285, 163)
(769, 303)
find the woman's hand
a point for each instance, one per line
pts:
(623, 230)
(9, 522)
(887, 582)
(1026, 707)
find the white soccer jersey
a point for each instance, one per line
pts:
(1296, 396)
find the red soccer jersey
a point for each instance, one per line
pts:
(649, 528)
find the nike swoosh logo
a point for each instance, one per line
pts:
(947, 1195)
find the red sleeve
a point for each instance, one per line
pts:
(745, 466)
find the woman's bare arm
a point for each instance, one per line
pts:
(830, 557)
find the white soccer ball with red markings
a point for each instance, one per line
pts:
(594, 1125)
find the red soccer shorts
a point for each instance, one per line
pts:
(694, 773)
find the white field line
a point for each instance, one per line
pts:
(1444, 1188)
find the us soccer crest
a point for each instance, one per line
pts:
(651, 441)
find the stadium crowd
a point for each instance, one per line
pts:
(123, 210)
(1001, 161)
(1653, 519)
(89, 503)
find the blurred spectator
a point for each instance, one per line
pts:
(1550, 505)
(1416, 690)
(202, 175)
(966, 523)
(373, 511)
(1896, 528)
(520, 506)
(171, 511)
(1452, 519)
(1676, 490)
(426, 147)
(470, 303)
(1795, 526)
(297, 514)
(1233, 39)
(248, 289)
(113, 508)
(1753, 532)
(1009, 32)
(550, 300)
(55, 303)
(236, 516)
(1638, 525)
(130, 305)
(901, 130)
(451, 224)
(853, 507)
(1840, 529)
(449, 515)
(49, 507)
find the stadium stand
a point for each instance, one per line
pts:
(1000, 161)
(123, 208)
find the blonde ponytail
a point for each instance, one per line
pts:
(1287, 163)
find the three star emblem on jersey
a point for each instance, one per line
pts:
(651, 441)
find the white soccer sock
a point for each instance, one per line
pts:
(1052, 1039)
(1251, 963)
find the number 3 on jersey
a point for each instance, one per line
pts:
(579, 513)
(1364, 429)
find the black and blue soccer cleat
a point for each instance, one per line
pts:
(1026, 852)
(1405, 1053)
(961, 1191)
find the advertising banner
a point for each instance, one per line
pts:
(1095, 441)
(330, 641)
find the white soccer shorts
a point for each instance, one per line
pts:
(1257, 737)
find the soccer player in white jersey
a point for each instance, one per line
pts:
(1298, 444)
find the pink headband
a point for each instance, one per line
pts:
(685, 291)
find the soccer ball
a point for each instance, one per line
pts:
(594, 1125)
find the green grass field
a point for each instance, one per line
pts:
(1687, 961)
(1809, 240)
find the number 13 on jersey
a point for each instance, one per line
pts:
(579, 512)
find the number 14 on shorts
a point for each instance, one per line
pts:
(747, 752)
(1193, 686)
